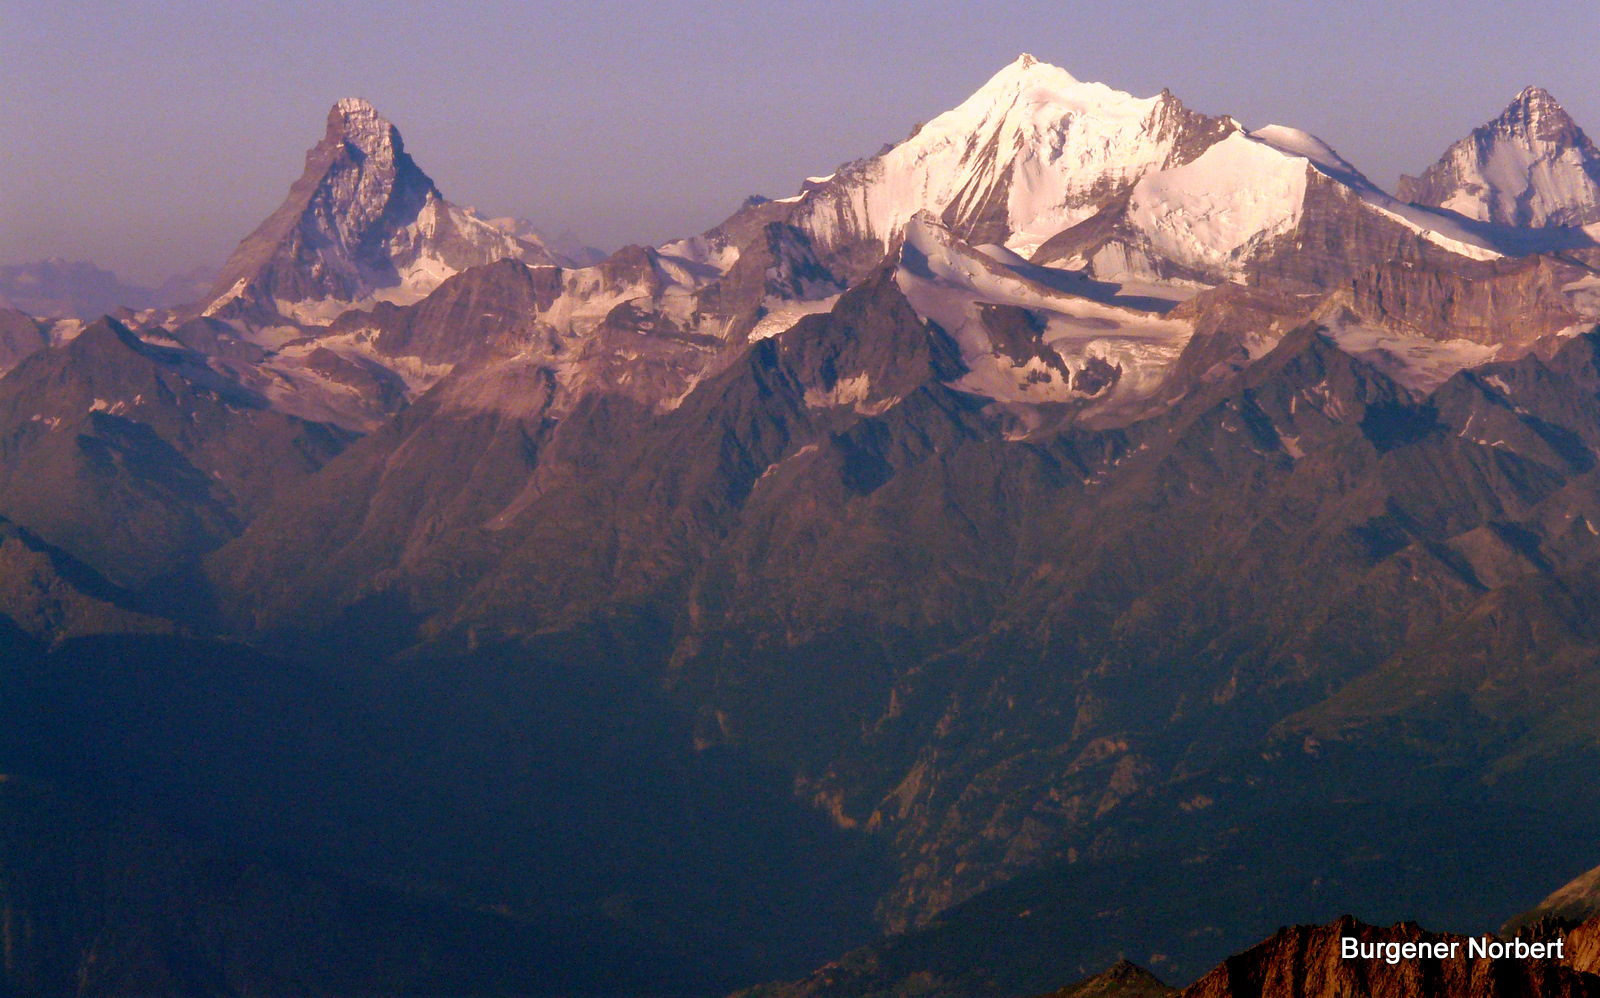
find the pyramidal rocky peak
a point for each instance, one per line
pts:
(362, 222)
(1530, 167)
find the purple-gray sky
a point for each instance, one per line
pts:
(150, 137)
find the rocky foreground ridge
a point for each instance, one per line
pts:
(1345, 957)
(1307, 961)
(1302, 961)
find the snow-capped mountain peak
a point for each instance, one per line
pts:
(1531, 166)
(1026, 73)
(1031, 152)
(1080, 175)
(362, 221)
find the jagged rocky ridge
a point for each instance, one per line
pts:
(1024, 573)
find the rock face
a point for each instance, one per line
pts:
(363, 218)
(1532, 166)
(489, 311)
(1584, 942)
(1509, 304)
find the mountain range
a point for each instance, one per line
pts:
(1088, 528)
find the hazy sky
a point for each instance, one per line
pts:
(150, 137)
